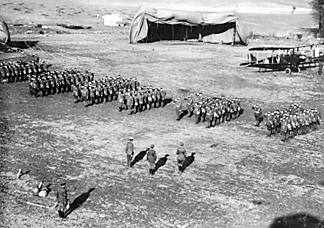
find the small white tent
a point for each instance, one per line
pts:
(112, 20)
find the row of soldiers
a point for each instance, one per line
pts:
(144, 98)
(291, 121)
(20, 70)
(103, 90)
(213, 110)
(55, 82)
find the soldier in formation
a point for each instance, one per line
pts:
(292, 121)
(19, 71)
(212, 110)
(179, 108)
(257, 114)
(103, 90)
(55, 82)
(144, 98)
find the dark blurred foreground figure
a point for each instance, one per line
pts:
(61, 200)
(151, 158)
(129, 151)
(181, 155)
(188, 161)
(257, 114)
(300, 220)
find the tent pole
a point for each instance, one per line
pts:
(234, 33)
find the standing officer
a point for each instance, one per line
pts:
(181, 155)
(129, 151)
(61, 200)
(151, 158)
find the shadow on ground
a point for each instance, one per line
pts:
(139, 157)
(167, 101)
(310, 30)
(183, 113)
(78, 202)
(23, 44)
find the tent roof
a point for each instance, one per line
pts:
(186, 17)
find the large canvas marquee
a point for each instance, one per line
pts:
(151, 25)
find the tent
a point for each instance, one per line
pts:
(151, 25)
(4, 32)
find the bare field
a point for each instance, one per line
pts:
(240, 177)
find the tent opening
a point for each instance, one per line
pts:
(151, 25)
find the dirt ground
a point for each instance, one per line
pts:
(240, 177)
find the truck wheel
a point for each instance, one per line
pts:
(288, 71)
(298, 70)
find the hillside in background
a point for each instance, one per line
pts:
(272, 18)
(251, 6)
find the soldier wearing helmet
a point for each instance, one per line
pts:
(178, 107)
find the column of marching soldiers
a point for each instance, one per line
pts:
(19, 71)
(212, 110)
(132, 97)
(289, 122)
(56, 82)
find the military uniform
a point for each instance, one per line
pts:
(293, 121)
(129, 151)
(178, 107)
(181, 155)
(151, 158)
(209, 116)
(136, 102)
(61, 199)
(197, 111)
(284, 128)
(163, 96)
(140, 101)
(257, 115)
(189, 105)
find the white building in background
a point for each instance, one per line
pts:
(112, 20)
